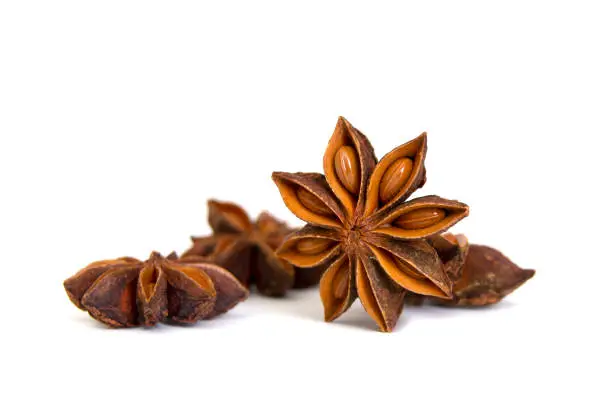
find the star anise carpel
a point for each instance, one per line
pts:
(127, 292)
(359, 223)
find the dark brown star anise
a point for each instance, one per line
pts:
(126, 292)
(358, 220)
(247, 249)
(481, 275)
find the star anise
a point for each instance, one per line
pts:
(358, 220)
(481, 275)
(126, 292)
(247, 249)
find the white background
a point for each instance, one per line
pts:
(119, 119)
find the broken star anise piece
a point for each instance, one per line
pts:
(482, 275)
(247, 249)
(452, 250)
(126, 292)
(359, 223)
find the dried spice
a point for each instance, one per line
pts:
(481, 275)
(359, 223)
(247, 249)
(126, 292)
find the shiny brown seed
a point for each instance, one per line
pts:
(313, 246)
(311, 202)
(340, 282)
(347, 168)
(395, 178)
(407, 269)
(421, 218)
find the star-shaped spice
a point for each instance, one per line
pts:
(126, 292)
(247, 249)
(358, 221)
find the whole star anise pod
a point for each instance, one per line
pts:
(126, 292)
(358, 220)
(481, 275)
(247, 249)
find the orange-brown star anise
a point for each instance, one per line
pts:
(126, 292)
(247, 249)
(358, 221)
